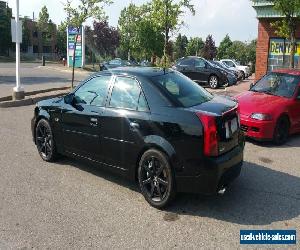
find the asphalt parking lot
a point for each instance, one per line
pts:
(71, 204)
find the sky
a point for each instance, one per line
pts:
(215, 17)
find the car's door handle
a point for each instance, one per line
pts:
(134, 125)
(93, 121)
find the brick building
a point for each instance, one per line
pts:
(36, 42)
(272, 51)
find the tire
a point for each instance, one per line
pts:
(44, 141)
(281, 132)
(213, 81)
(243, 75)
(226, 84)
(156, 178)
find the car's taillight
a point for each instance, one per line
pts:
(210, 146)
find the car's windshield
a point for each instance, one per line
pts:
(278, 84)
(181, 89)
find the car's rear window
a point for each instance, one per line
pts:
(181, 89)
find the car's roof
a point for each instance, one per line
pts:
(288, 71)
(137, 71)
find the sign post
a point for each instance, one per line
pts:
(18, 91)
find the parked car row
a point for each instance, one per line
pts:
(207, 73)
(212, 73)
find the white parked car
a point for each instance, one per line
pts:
(232, 64)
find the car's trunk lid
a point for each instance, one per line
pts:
(226, 115)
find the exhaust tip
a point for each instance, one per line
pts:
(222, 191)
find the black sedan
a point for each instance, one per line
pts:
(148, 124)
(202, 71)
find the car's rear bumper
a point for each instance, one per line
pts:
(260, 130)
(219, 172)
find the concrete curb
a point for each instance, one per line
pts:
(29, 101)
(35, 92)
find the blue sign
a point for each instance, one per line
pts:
(75, 35)
(268, 237)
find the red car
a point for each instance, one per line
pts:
(270, 110)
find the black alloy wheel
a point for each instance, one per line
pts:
(281, 133)
(44, 140)
(156, 179)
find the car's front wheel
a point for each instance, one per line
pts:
(213, 81)
(44, 141)
(156, 178)
(281, 133)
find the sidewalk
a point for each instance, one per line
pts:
(39, 82)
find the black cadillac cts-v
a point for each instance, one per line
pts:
(151, 125)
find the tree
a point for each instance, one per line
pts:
(5, 34)
(209, 50)
(104, 38)
(286, 27)
(127, 24)
(79, 14)
(167, 15)
(181, 46)
(25, 35)
(150, 40)
(141, 36)
(43, 22)
(195, 45)
(62, 38)
(238, 51)
(224, 47)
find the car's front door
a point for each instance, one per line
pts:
(201, 71)
(124, 123)
(81, 119)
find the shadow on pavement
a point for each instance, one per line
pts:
(260, 196)
(294, 141)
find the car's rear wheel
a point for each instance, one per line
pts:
(44, 141)
(243, 75)
(213, 81)
(156, 178)
(281, 132)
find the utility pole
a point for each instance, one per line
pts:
(18, 91)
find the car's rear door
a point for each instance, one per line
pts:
(81, 120)
(124, 123)
(187, 67)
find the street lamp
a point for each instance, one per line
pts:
(18, 91)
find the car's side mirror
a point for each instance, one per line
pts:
(69, 99)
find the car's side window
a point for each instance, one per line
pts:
(230, 64)
(199, 63)
(187, 62)
(93, 92)
(127, 94)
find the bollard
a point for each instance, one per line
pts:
(43, 60)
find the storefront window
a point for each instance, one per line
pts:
(279, 54)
